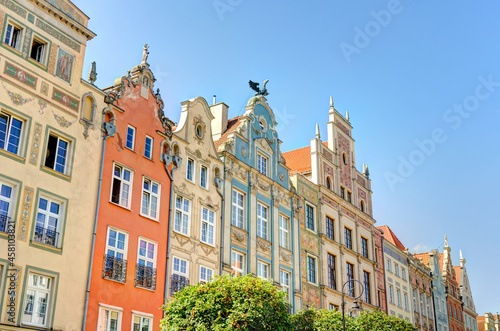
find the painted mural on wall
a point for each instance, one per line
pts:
(64, 65)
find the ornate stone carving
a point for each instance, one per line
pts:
(182, 190)
(62, 121)
(263, 245)
(182, 240)
(36, 144)
(242, 129)
(25, 213)
(265, 145)
(199, 129)
(238, 235)
(240, 171)
(209, 203)
(244, 152)
(227, 146)
(286, 255)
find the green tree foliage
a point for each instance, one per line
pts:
(228, 303)
(377, 320)
(321, 320)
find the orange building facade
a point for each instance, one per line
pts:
(130, 252)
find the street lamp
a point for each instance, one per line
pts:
(356, 307)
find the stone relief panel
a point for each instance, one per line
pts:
(239, 236)
(345, 167)
(327, 153)
(328, 171)
(329, 202)
(263, 247)
(343, 128)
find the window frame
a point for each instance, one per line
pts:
(235, 270)
(347, 237)
(102, 309)
(396, 269)
(178, 272)
(71, 141)
(142, 316)
(203, 167)
(314, 271)
(262, 160)
(284, 231)
(236, 207)
(388, 264)
(20, 38)
(46, 49)
(349, 196)
(12, 201)
(211, 226)
(150, 149)
(405, 301)
(342, 192)
(130, 183)
(330, 228)
(364, 247)
(399, 298)
(183, 213)
(310, 221)
(204, 281)
(155, 252)
(332, 271)
(116, 250)
(285, 287)
(132, 136)
(157, 195)
(263, 266)
(20, 152)
(367, 287)
(190, 170)
(349, 277)
(391, 294)
(262, 222)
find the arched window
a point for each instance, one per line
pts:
(362, 206)
(328, 183)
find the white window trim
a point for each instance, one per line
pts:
(264, 266)
(313, 215)
(263, 220)
(193, 170)
(182, 213)
(61, 216)
(286, 288)
(143, 315)
(103, 307)
(22, 138)
(21, 36)
(206, 176)
(207, 268)
(233, 205)
(148, 241)
(131, 182)
(285, 231)
(243, 261)
(125, 250)
(43, 41)
(133, 138)
(213, 225)
(186, 274)
(266, 158)
(49, 304)
(150, 157)
(69, 152)
(158, 196)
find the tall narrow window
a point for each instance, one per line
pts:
(389, 265)
(284, 231)
(150, 197)
(6, 193)
(182, 215)
(238, 209)
(350, 277)
(48, 222)
(415, 301)
(122, 182)
(398, 297)
(403, 273)
(37, 300)
(310, 217)
(262, 164)
(405, 297)
(13, 36)
(190, 170)
(332, 278)
(207, 226)
(328, 183)
(262, 221)
(422, 305)
(237, 263)
(396, 269)
(362, 206)
(148, 148)
(115, 261)
(38, 50)
(145, 273)
(285, 282)
(330, 228)
(348, 238)
(206, 274)
(262, 270)
(366, 283)
(391, 294)
(57, 154)
(130, 137)
(311, 269)
(349, 196)
(203, 177)
(10, 133)
(342, 192)
(364, 247)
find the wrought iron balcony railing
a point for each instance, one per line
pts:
(145, 277)
(177, 283)
(114, 268)
(5, 223)
(45, 236)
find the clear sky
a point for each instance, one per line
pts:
(420, 79)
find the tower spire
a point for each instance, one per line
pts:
(317, 131)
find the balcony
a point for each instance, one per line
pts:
(45, 236)
(114, 269)
(145, 277)
(5, 223)
(177, 282)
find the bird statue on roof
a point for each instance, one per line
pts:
(255, 86)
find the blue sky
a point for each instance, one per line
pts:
(421, 82)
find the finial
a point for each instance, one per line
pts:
(461, 256)
(446, 240)
(145, 54)
(317, 131)
(347, 116)
(92, 73)
(215, 98)
(331, 101)
(366, 171)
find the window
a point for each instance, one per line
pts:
(56, 157)
(122, 182)
(148, 148)
(262, 270)
(310, 217)
(13, 36)
(344, 158)
(10, 133)
(109, 319)
(429, 307)
(405, 297)
(204, 177)
(48, 222)
(206, 274)
(422, 305)
(180, 267)
(389, 265)
(145, 272)
(238, 209)
(398, 296)
(311, 269)
(342, 192)
(190, 170)
(262, 164)
(350, 277)
(237, 263)
(6, 206)
(115, 260)
(36, 303)
(150, 197)
(396, 269)
(328, 183)
(349, 196)
(362, 206)
(130, 137)
(330, 229)
(348, 238)
(391, 294)
(142, 323)
(364, 247)
(332, 277)
(403, 273)
(38, 48)
(285, 282)
(284, 231)
(182, 215)
(366, 283)
(207, 226)
(332, 306)
(415, 301)
(262, 217)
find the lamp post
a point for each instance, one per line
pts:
(356, 306)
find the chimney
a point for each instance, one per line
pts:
(219, 123)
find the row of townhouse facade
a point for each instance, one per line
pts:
(108, 207)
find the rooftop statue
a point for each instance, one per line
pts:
(255, 86)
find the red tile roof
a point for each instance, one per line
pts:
(424, 257)
(232, 125)
(299, 160)
(391, 237)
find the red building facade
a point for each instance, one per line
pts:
(453, 301)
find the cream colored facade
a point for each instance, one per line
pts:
(51, 129)
(195, 223)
